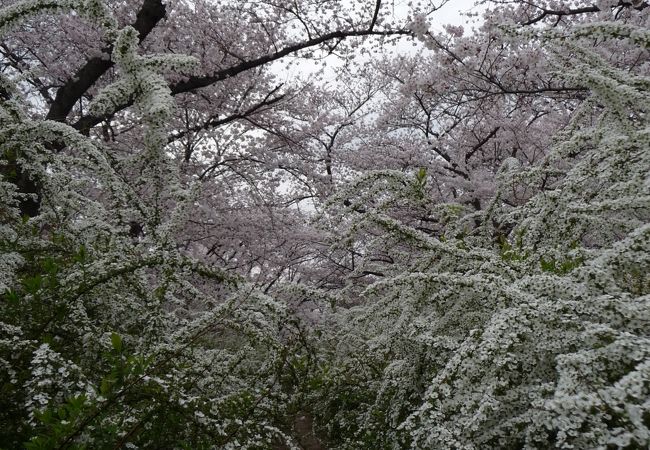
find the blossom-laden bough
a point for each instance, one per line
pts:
(515, 326)
(486, 285)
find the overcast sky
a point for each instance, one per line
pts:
(451, 13)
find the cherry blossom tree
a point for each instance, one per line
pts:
(442, 250)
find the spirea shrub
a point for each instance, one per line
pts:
(495, 321)
(518, 326)
(109, 338)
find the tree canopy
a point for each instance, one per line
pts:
(442, 248)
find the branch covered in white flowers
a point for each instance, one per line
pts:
(201, 248)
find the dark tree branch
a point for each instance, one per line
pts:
(481, 143)
(215, 122)
(375, 15)
(365, 273)
(560, 13)
(638, 5)
(151, 12)
(18, 64)
(198, 82)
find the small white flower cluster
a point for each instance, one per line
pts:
(541, 343)
(419, 26)
(52, 380)
(95, 10)
(142, 81)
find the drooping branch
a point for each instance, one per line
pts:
(151, 12)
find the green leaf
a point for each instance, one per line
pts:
(33, 284)
(81, 254)
(116, 341)
(11, 297)
(547, 266)
(106, 386)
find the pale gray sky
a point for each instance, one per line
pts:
(451, 13)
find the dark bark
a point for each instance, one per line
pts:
(151, 12)
(197, 82)
(70, 93)
(558, 14)
(481, 143)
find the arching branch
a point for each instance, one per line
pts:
(151, 12)
(559, 13)
(198, 82)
